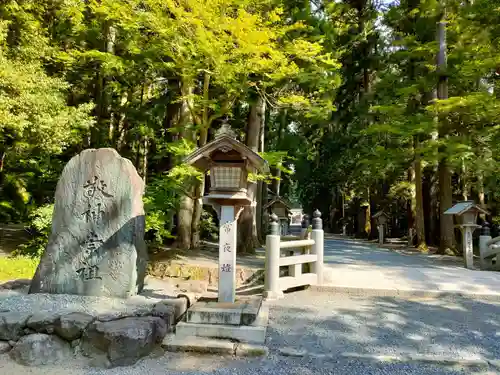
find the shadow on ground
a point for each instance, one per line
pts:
(328, 324)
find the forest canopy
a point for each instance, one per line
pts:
(358, 106)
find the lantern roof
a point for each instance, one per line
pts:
(462, 207)
(380, 213)
(277, 200)
(225, 141)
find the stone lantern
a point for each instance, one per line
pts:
(466, 213)
(228, 162)
(282, 210)
(382, 218)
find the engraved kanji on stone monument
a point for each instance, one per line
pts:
(89, 273)
(97, 242)
(96, 185)
(95, 190)
(91, 244)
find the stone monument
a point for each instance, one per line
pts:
(96, 246)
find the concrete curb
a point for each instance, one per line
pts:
(413, 358)
(372, 292)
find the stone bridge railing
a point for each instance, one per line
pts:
(489, 249)
(285, 259)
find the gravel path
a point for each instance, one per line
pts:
(173, 364)
(332, 324)
(328, 323)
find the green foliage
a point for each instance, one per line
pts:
(208, 228)
(40, 227)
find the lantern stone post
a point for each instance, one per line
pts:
(229, 162)
(382, 219)
(466, 213)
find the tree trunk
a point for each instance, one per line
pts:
(419, 201)
(261, 185)
(480, 183)
(277, 181)
(247, 224)
(445, 202)
(144, 159)
(447, 235)
(2, 163)
(110, 48)
(463, 182)
(200, 186)
(368, 216)
(186, 206)
(198, 203)
(411, 203)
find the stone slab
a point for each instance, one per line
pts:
(251, 310)
(176, 343)
(214, 315)
(243, 311)
(254, 333)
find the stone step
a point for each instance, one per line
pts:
(243, 311)
(203, 345)
(254, 333)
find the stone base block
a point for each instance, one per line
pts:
(243, 311)
(176, 343)
(204, 345)
(253, 333)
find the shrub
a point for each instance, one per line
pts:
(39, 228)
(208, 228)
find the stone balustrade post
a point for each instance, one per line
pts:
(318, 247)
(484, 237)
(272, 266)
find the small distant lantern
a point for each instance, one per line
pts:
(282, 211)
(466, 213)
(381, 217)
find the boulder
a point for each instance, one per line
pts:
(71, 326)
(123, 341)
(40, 349)
(96, 246)
(43, 322)
(12, 325)
(4, 347)
(130, 312)
(166, 312)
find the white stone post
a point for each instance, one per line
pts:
(483, 247)
(467, 246)
(318, 247)
(381, 234)
(272, 267)
(227, 255)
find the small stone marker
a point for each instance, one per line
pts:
(227, 255)
(97, 242)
